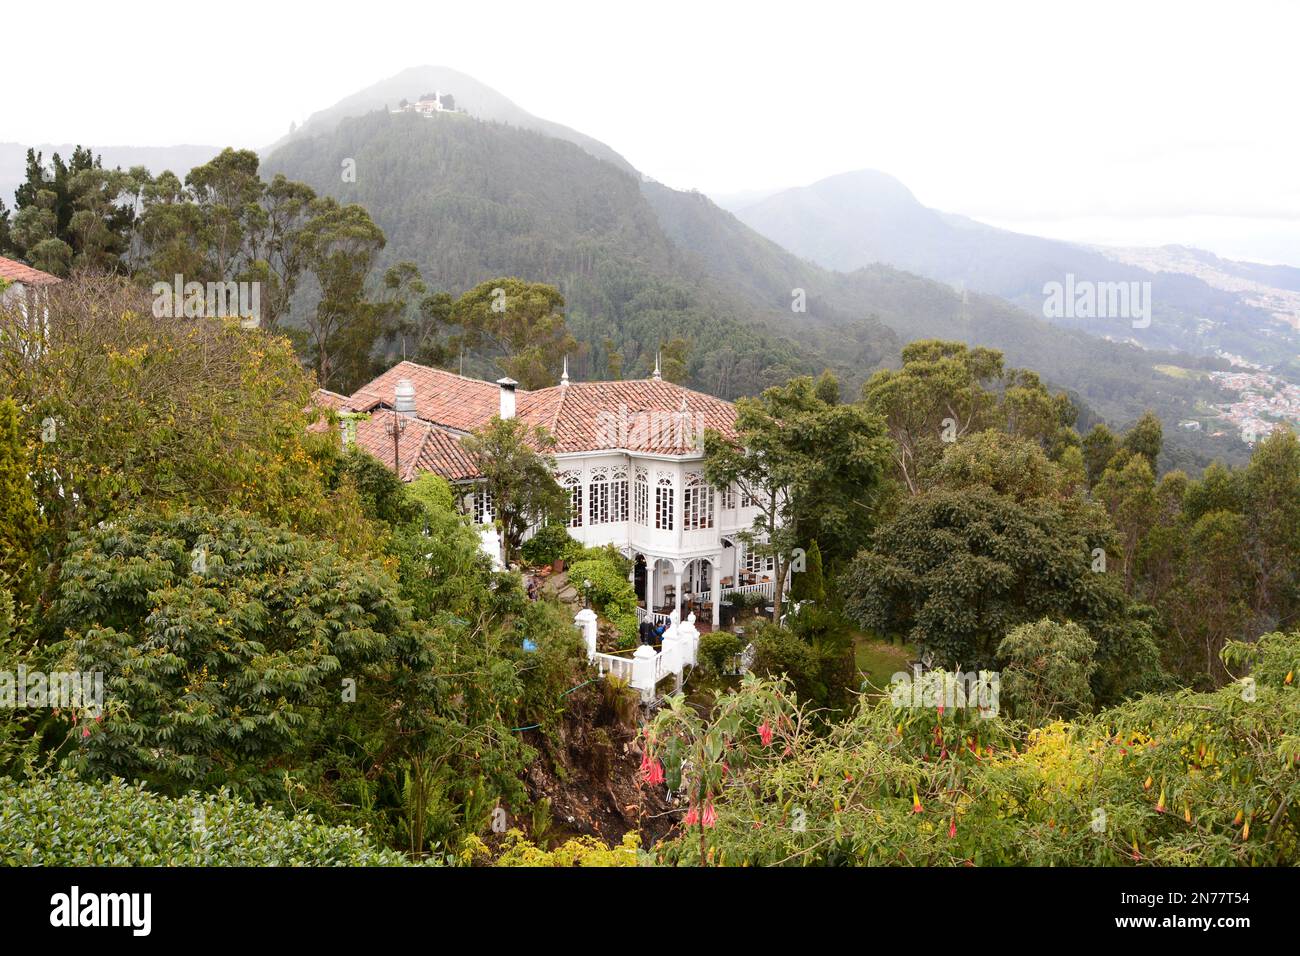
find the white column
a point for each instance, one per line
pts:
(677, 597)
(585, 621)
(716, 590)
(643, 672)
(688, 641)
(650, 583)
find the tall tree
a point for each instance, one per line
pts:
(991, 547)
(511, 456)
(809, 467)
(940, 393)
(342, 244)
(519, 324)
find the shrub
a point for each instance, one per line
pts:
(1046, 669)
(610, 592)
(716, 651)
(221, 640)
(809, 584)
(61, 821)
(548, 544)
(580, 851)
(778, 652)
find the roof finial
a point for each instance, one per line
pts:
(656, 374)
(564, 378)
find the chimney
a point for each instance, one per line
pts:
(404, 397)
(507, 397)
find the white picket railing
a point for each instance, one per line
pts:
(620, 667)
(647, 667)
(653, 616)
(767, 588)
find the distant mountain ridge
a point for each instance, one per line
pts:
(469, 199)
(479, 100)
(852, 220)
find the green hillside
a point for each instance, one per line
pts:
(641, 264)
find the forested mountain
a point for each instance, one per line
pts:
(855, 219)
(477, 99)
(641, 265)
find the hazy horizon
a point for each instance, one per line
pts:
(1169, 128)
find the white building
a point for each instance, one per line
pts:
(25, 291)
(629, 453)
(431, 103)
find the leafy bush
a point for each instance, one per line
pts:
(548, 544)
(580, 851)
(1176, 779)
(779, 653)
(610, 592)
(221, 642)
(1046, 669)
(59, 820)
(717, 650)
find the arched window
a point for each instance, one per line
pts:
(641, 499)
(697, 503)
(618, 494)
(607, 498)
(665, 502)
(573, 481)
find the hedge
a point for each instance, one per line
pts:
(58, 820)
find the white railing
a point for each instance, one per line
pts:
(653, 616)
(763, 587)
(620, 667)
(647, 667)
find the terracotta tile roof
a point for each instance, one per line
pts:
(12, 271)
(645, 415)
(421, 447)
(324, 398)
(443, 455)
(446, 399)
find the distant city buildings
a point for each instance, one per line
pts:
(1264, 401)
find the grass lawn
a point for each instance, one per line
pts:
(877, 660)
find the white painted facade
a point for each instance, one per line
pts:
(659, 511)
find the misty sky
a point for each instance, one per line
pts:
(1126, 123)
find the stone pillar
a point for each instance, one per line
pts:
(643, 672)
(585, 621)
(715, 590)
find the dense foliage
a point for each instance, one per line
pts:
(61, 821)
(1174, 779)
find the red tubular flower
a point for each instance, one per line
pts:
(765, 733)
(710, 817)
(692, 817)
(652, 771)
